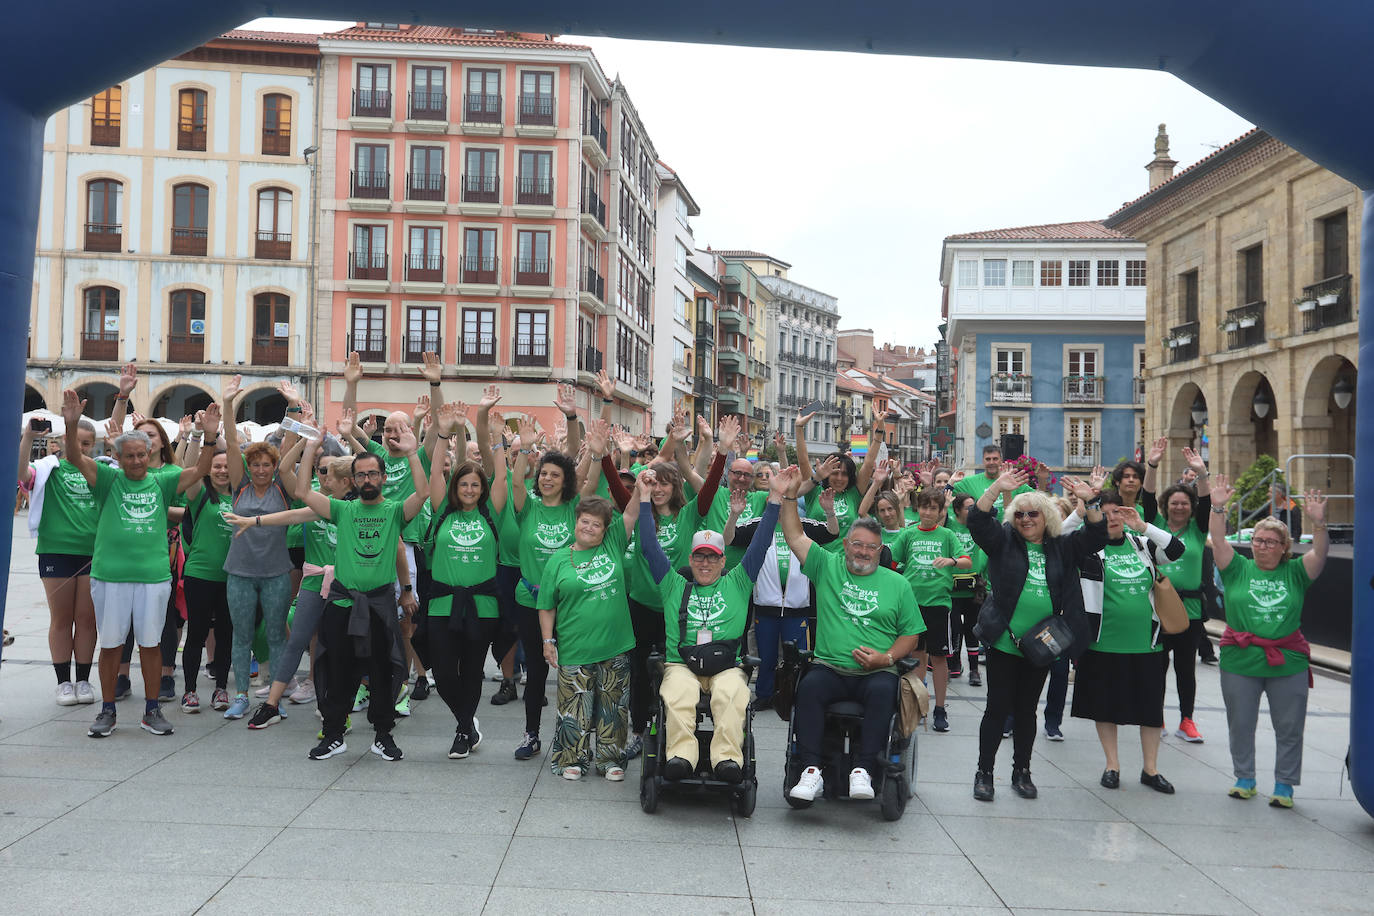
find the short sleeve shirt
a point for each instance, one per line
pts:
(853, 611)
(131, 533)
(586, 589)
(367, 535)
(1267, 603)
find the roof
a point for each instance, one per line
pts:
(1088, 230)
(285, 38)
(1201, 163)
(667, 173)
(845, 383)
(744, 254)
(448, 35)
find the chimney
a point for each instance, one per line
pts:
(1161, 167)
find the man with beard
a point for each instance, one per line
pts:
(866, 619)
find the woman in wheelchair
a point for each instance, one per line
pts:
(704, 622)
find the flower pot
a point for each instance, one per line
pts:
(1307, 305)
(1185, 340)
(1231, 325)
(1328, 299)
(1173, 342)
(1247, 322)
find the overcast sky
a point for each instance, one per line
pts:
(854, 167)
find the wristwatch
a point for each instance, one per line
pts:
(550, 642)
(407, 588)
(1219, 510)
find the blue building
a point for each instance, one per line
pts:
(1046, 329)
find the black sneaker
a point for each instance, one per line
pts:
(677, 768)
(982, 786)
(167, 691)
(460, 748)
(529, 746)
(974, 678)
(123, 687)
(421, 690)
(505, 694)
(328, 747)
(1021, 783)
(762, 703)
(385, 748)
(941, 720)
(264, 716)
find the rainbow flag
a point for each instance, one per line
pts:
(858, 445)
(752, 454)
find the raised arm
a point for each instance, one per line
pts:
(313, 499)
(1222, 551)
(231, 432)
(490, 396)
(786, 482)
(25, 450)
(729, 429)
(438, 485)
(876, 437)
(1152, 459)
(71, 416)
(433, 372)
(271, 520)
(758, 547)
(128, 379)
(286, 469)
(1314, 508)
(566, 402)
(410, 447)
(522, 463)
(701, 458)
(352, 374)
(209, 424)
(875, 486)
(1163, 540)
(803, 456)
(657, 560)
(348, 432)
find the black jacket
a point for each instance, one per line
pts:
(1008, 566)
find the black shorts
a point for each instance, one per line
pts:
(63, 565)
(297, 555)
(935, 639)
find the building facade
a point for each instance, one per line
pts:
(176, 230)
(802, 326)
(1252, 334)
(1048, 325)
(674, 298)
(704, 270)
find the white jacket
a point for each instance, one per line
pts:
(1091, 582)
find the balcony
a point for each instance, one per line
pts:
(593, 215)
(593, 286)
(423, 267)
(428, 106)
(731, 383)
(365, 266)
(706, 333)
(1182, 342)
(478, 350)
(191, 137)
(369, 185)
(272, 246)
(271, 351)
(761, 415)
(1080, 454)
(531, 351)
(536, 111)
(1318, 316)
(185, 348)
(425, 186)
(480, 270)
(729, 312)
(1084, 389)
(479, 108)
(532, 272)
(594, 139)
(276, 143)
(1010, 388)
(482, 189)
(371, 103)
(418, 343)
(1244, 326)
(190, 241)
(104, 237)
(591, 360)
(370, 346)
(704, 388)
(534, 192)
(105, 133)
(1138, 391)
(101, 345)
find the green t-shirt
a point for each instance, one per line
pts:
(508, 550)
(210, 535)
(911, 515)
(587, 589)
(1127, 615)
(890, 536)
(295, 534)
(465, 554)
(1186, 571)
(978, 484)
(854, 611)
(544, 530)
(366, 554)
(69, 516)
(399, 484)
(753, 509)
(675, 533)
(916, 551)
(722, 608)
(1268, 604)
(846, 510)
(321, 541)
(131, 533)
(969, 549)
(1033, 606)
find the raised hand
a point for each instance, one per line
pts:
(353, 369)
(1157, 450)
(307, 413)
(830, 465)
(1075, 485)
(597, 438)
(1011, 479)
(72, 407)
(566, 401)
(605, 384)
(680, 432)
(1313, 506)
(1195, 461)
(827, 501)
(421, 407)
(642, 442)
(128, 379)
(184, 427)
(490, 395)
(288, 391)
(729, 429)
(345, 425)
(739, 499)
(881, 471)
(1131, 518)
(1222, 491)
(210, 420)
(1098, 477)
(529, 432)
(903, 486)
(804, 419)
(786, 483)
(232, 389)
(448, 419)
(780, 446)
(704, 428)
(369, 426)
(431, 370)
(136, 418)
(406, 442)
(642, 482)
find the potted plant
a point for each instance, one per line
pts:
(1328, 296)
(1230, 324)
(1172, 341)
(1305, 303)
(1248, 321)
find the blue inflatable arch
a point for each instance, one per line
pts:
(1257, 58)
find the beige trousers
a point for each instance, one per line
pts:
(681, 689)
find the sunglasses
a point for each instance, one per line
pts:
(1029, 513)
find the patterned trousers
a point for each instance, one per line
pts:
(592, 700)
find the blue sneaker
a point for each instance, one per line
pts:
(237, 709)
(1282, 796)
(1245, 788)
(529, 746)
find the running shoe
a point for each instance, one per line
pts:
(524, 676)
(941, 720)
(264, 716)
(505, 693)
(1244, 788)
(66, 694)
(1282, 796)
(104, 724)
(328, 747)
(810, 785)
(237, 709)
(385, 748)
(84, 694)
(475, 738)
(403, 706)
(154, 721)
(123, 687)
(304, 692)
(190, 702)
(860, 785)
(167, 690)
(635, 747)
(529, 746)
(219, 700)
(420, 693)
(974, 678)
(460, 748)
(1053, 733)
(263, 693)
(361, 700)
(1188, 732)
(348, 728)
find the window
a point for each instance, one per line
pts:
(680, 305)
(371, 171)
(186, 340)
(1108, 273)
(428, 101)
(1080, 273)
(479, 337)
(422, 333)
(536, 178)
(479, 256)
(106, 110)
(536, 98)
(681, 257)
(368, 336)
(532, 258)
(806, 347)
(426, 180)
(1335, 242)
(1080, 442)
(1011, 361)
(425, 259)
(482, 101)
(968, 272)
(1187, 293)
(103, 231)
(372, 98)
(1012, 425)
(276, 125)
(273, 238)
(190, 219)
(1252, 275)
(995, 272)
(191, 120)
(271, 329)
(1082, 363)
(100, 337)
(481, 181)
(1022, 273)
(370, 254)
(1051, 273)
(1135, 273)
(384, 26)
(679, 354)
(531, 338)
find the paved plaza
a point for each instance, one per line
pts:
(216, 818)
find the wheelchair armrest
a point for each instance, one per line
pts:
(750, 661)
(792, 656)
(905, 665)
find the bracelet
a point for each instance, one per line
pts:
(258, 523)
(449, 436)
(524, 451)
(1148, 465)
(1321, 527)
(1218, 510)
(793, 498)
(607, 400)
(890, 660)
(550, 642)
(435, 384)
(293, 410)
(121, 397)
(570, 416)
(498, 446)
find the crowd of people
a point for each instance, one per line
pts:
(585, 552)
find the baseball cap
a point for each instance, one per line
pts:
(708, 540)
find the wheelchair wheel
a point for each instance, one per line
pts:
(743, 801)
(648, 794)
(893, 798)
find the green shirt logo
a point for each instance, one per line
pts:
(858, 602)
(1035, 576)
(1268, 593)
(138, 508)
(552, 535)
(467, 533)
(596, 571)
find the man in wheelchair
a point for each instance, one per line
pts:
(704, 621)
(866, 619)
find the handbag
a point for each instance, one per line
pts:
(1169, 608)
(705, 659)
(1046, 642)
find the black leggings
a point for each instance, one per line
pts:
(536, 669)
(821, 686)
(1184, 646)
(648, 626)
(456, 661)
(962, 618)
(346, 671)
(207, 607)
(1014, 686)
(508, 629)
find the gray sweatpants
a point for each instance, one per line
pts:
(309, 610)
(1287, 711)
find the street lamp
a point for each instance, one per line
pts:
(1261, 403)
(1199, 410)
(1342, 392)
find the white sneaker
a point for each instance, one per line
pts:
(263, 693)
(84, 693)
(860, 786)
(304, 692)
(66, 694)
(810, 785)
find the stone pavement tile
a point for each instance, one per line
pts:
(433, 811)
(1284, 891)
(13, 827)
(76, 845)
(207, 803)
(98, 891)
(538, 901)
(46, 797)
(372, 774)
(838, 875)
(767, 907)
(1285, 843)
(847, 826)
(13, 724)
(244, 771)
(67, 733)
(555, 863)
(589, 786)
(245, 894)
(1065, 883)
(448, 858)
(1064, 803)
(688, 819)
(1344, 816)
(117, 757)
(1081, 841)
(1143, 805)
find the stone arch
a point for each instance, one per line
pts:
(261, 403)
(33, 398)
(1247, 435)
(1321, 426)
(1182, 432)
(179, 397)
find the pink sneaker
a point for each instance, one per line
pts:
(304, 692)
(220, 700)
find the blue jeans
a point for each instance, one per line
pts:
(770, 633)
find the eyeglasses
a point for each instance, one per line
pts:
(705, 556)
(367, 475)
(865, 548)
(1266, 542)
(1029, 513)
